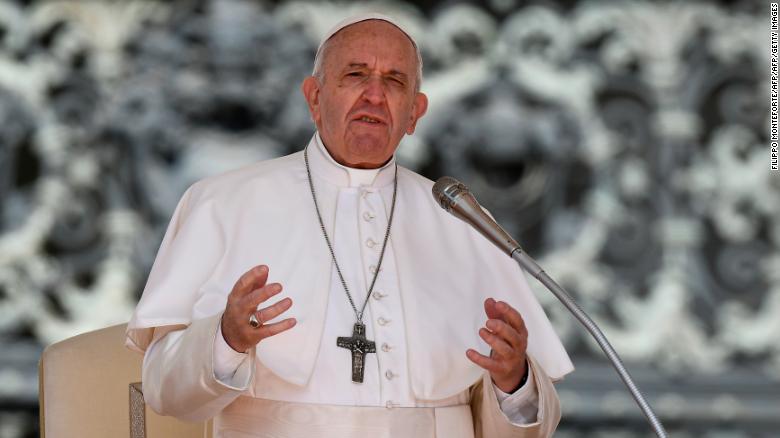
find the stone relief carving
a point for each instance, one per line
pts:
(622, 143)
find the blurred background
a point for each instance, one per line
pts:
(624, 143)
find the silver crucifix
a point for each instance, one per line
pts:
(360, 346)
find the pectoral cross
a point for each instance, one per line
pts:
(360, 346)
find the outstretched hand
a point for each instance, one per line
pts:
(507, 336)
(249, 292)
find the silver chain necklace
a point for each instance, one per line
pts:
(357, 343)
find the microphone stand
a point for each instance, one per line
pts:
(529, 265)
(455, 198)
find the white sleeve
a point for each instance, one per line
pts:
(230, 366)
(178, 373)
(522, 406)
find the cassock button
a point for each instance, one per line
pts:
(368, 216)
(372, 269)
(370, 243)
(383, 321)
(386, 348)
(378, 295)
(389, 374)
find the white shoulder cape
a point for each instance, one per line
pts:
(263, 214)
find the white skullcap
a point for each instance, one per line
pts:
(357, 18)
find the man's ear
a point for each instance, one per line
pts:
(311, 92)
(419, 109)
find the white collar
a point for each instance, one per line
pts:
(323, 164)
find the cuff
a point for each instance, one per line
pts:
(522, 406)
(231, 367)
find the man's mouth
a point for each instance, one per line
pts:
(370, 119)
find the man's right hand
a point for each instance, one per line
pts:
(249, 291)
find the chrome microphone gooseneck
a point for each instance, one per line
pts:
(455, 198)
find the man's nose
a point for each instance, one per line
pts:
(374, 91)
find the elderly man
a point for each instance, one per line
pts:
(324, 294)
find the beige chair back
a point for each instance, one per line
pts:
(85, 391)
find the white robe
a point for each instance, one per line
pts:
(435, 276)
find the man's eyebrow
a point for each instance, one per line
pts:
(400, 74)
(364, 65)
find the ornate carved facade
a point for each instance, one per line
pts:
(623, 143)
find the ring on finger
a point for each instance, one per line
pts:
(253, 321)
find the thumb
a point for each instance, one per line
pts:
(490, 309)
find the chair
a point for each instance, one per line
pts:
(87, 384)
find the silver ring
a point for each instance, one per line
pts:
(253, 321)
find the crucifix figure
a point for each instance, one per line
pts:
(360, 346)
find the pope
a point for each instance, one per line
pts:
(325, 294)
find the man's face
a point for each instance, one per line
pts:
(367, 100)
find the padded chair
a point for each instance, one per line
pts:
(89, 387)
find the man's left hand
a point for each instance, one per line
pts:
(507, 336)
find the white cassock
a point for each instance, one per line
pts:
(424, 313)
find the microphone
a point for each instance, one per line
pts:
(456, 198)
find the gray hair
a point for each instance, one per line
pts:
(319, 60)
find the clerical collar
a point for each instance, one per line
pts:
(323, 164)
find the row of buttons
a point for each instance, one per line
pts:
(389, 374)
(368, 216)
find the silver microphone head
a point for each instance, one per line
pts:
(455, 198)
(446, 190)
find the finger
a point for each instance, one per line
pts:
(260, 295)
(269, 330)
(483, 361)
(500, 347)
(490, 309)
(273, 311)
(507, 333)
(250, 280)
(512, 316)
